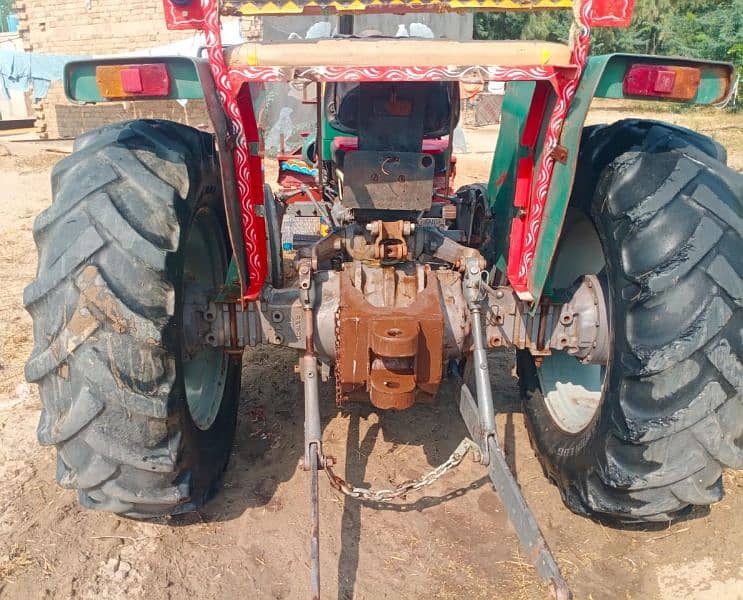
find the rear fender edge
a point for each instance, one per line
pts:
(190, 79)
(603, 77)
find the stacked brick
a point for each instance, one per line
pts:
(96, 27)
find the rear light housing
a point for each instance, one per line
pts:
(662, 81)
(122, 82)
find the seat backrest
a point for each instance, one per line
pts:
(393, 116)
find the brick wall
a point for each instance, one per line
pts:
(101, 27)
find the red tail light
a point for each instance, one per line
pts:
(119, 82)
(660, 81)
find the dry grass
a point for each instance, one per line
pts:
(725, 126)
(14, 562)
(15, 328)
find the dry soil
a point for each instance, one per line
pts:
(252, 540)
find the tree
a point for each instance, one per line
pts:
(712, 30)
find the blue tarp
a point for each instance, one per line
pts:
(21, 70)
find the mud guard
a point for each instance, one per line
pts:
(603, 77)
(190, 79)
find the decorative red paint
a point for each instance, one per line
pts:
(189, 16)
(611, 13)
(237, 104)
(525, 177)
(480, 73)
(524, 236)
(255, 191)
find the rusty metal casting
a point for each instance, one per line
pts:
(392, 348)
(389, 239)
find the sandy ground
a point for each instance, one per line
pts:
(252, 540)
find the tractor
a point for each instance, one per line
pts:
(607, 257)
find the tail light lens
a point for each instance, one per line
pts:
(121, 82)
(660, 81)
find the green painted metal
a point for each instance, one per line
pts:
(329, 133)
(204, 370)
(81, 86)
(230, 291)
(715, 87)
(603, 77)
(502, 184)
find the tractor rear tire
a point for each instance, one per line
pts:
(136, 222)
(668, 215)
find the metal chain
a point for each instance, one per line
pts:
(388, 495)
(338, 388)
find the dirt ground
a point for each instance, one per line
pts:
(252, 540)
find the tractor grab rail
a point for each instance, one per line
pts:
(316, 7)
(186, 14)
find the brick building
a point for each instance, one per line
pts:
(99, 27)
(106, 27)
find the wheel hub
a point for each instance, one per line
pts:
(204, 366)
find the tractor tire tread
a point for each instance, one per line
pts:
(106, 372)
(668, 211)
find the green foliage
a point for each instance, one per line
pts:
(698, 28)
(714, 32)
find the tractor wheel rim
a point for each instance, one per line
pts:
(573, 391)
(204, 270)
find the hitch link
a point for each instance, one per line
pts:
(314, 458)
(479, 417)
